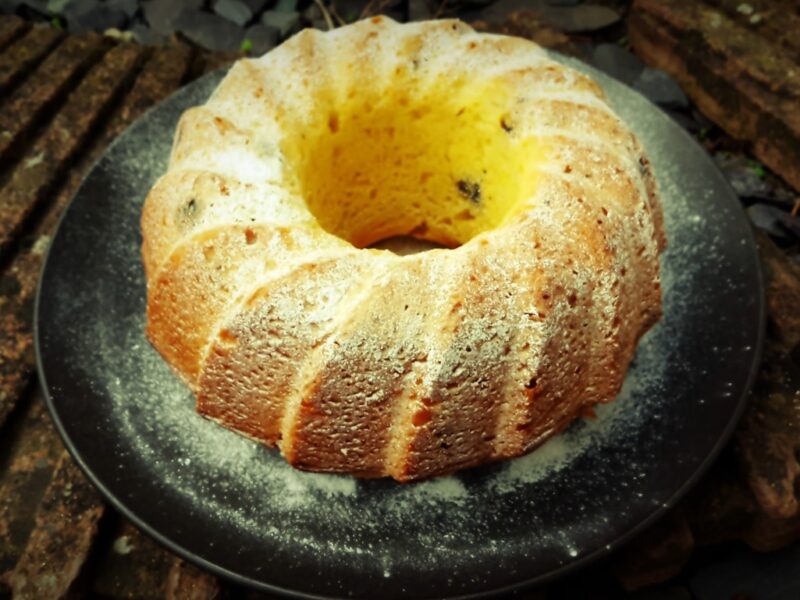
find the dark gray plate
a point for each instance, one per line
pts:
(237, 509)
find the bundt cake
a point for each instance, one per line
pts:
(265, 296)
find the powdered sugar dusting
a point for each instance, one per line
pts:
(321, 533)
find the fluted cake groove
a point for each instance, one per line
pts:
(265, 298)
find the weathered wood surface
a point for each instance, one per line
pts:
(62, 100)
(739, 62)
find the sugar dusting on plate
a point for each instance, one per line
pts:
(251, 488)
(158, 402)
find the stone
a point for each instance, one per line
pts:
(256, 6)
(745, 176)
(792, 223)
(584, 18)
(419, 10)
(235, 11)
(618, 62)
(287, 6)
(9, 7)
(129, 7)
(55, 7)
(97, 18)
(701, 118)
(769, 219)
(286, 23)
(350, 10)
(684, 120)
(262, 38)
(162, 15)
(659, 87)
(320, 24)
(35, 8)
(210, 31)
(148, 37)
(312, 12)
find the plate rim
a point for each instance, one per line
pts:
(578, 563)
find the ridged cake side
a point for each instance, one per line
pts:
(362, 361)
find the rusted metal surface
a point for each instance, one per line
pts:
(738, 71)
(60, 107)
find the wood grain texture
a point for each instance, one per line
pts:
(740, 75)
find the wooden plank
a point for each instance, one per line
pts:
(25, 53)
(745, 82)
(657, 555)
(160, 75)
(31, 448)
(30, 102)
(768, 438)
(187, 582)
(775, 20)
(34, 177)
(208, 62)
(50, 155)
(11, 27)
(133, 566)
(66, 523)
(17, 289)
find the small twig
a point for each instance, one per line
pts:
(367, 12)
(440, 10)
(796, 208)
(325, 15)
(335, 15)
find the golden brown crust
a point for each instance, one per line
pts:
(359, 361)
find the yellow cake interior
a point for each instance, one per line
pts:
(441, 163)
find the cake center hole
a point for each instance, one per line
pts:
(404, 245)
(443, 165)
